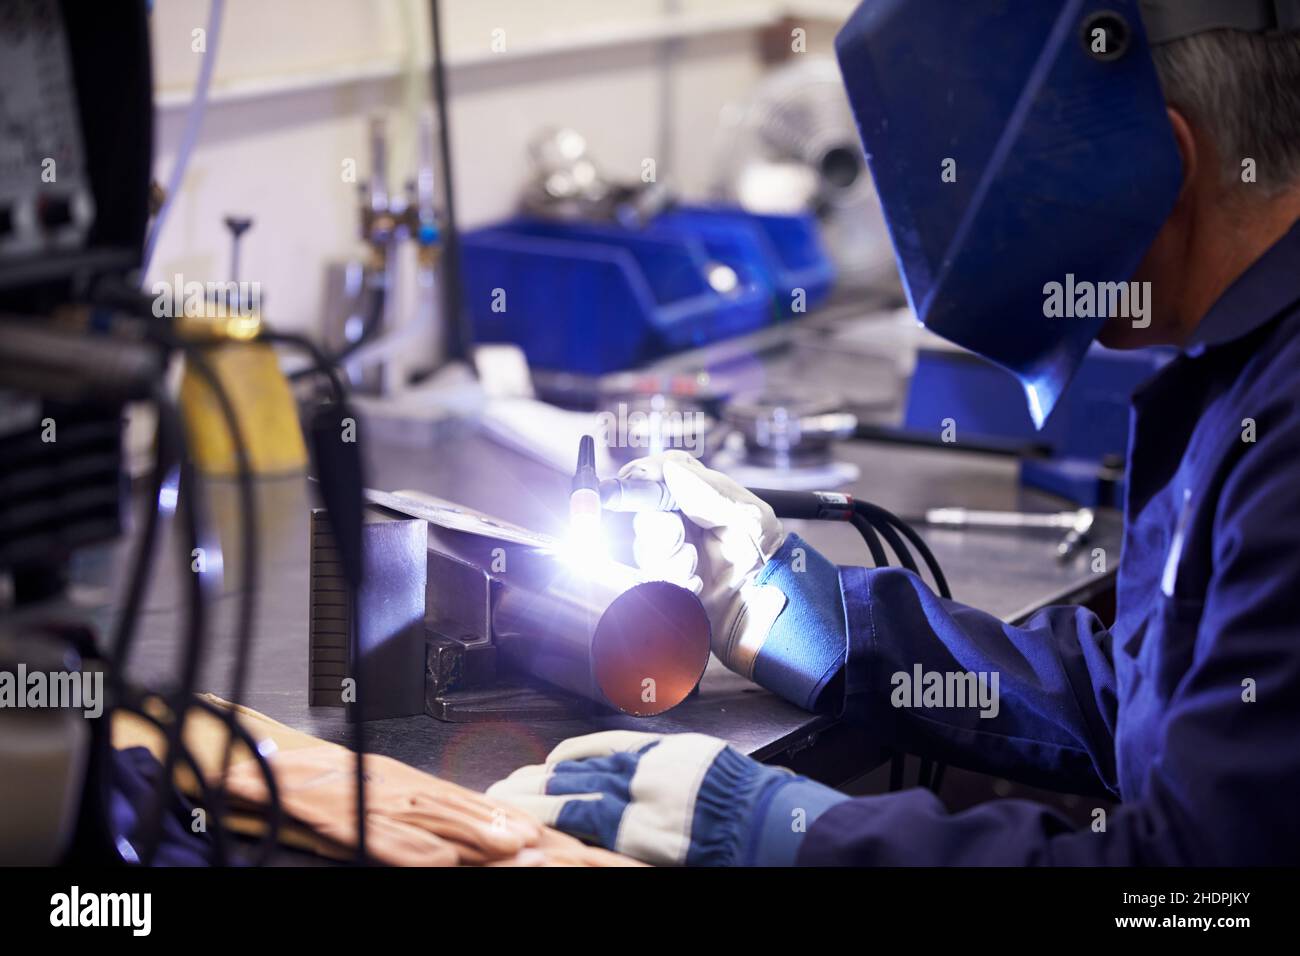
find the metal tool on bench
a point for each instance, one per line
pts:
(786, 439)
(1077, 525)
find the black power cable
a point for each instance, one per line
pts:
(165, 457)
(890, 526)
(132, 702)
(171, 448)
(248, 532)
(249, 574)
(870, 537)
(320, 363)
(872, 523)
(328, 364)
(212, 799)
(886, 530)
(188, 503)
(338, 465)
(878, 514)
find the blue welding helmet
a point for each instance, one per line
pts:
(1014, 144)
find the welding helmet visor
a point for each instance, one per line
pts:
(1014, 145)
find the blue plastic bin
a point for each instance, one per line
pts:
(592, 299)
(785, 251)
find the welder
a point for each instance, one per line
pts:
(1013, 145)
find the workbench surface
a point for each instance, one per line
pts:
(1008, 574)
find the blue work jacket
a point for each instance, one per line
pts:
(1187, 709)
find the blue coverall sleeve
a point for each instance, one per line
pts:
(1216, 778)
(1051, 720)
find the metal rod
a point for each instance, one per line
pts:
(458, 341)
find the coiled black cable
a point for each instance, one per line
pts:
(212, 799)
(171, 453)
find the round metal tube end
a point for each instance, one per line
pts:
(650, 648)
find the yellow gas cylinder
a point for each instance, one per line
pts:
(262, 399)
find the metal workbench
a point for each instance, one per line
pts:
(1006, 574)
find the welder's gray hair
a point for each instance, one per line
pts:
(1244, 90)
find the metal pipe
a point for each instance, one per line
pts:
(640, 648)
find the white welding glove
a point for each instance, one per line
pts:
(718, 554)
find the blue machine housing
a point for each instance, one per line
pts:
(1089, 427)
(1065, 164)
(592, 298)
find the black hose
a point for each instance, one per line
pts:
(869, 536)
(142, 565)
(329, 363)
(196, 637)
(171, 445)
(878, 515)
(248, 534)
(214, 798)
(321, 365)
(209, 799)
(870, 516)
(901, 551)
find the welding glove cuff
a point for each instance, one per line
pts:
(805, 644)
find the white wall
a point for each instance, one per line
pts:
(296, 81)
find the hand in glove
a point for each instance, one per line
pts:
(773, 602)
(669, 799)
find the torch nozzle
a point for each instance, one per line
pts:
(584, 494)
(585, 474)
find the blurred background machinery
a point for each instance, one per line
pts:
(75, 108)
(792, 147)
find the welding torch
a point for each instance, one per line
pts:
(590, 496)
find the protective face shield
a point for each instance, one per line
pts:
(1024, 160)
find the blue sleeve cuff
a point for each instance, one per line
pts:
(806, 646)
(788, 812)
